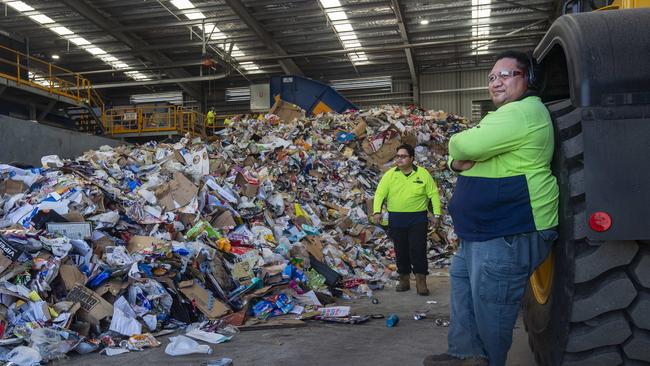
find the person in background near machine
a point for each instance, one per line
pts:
(210, 118)
(505, 212)
(408, 189)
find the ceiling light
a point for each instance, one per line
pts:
(330, 3)
(194, 15)
(108, 58)
(348, 37)
(20, 6)
(120, 65)
(41, 18)
(346, 27)
(62, 31)
(424, 22)
(183, 4)
(95, 51)
(337, 15)
(352, 44)
(79, 41)
(55, 57)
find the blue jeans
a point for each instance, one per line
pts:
(488, 280)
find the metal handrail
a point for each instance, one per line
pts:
(150, 119)
(43, 75)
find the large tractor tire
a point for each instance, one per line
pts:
(589, 303)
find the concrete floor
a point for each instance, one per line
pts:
(321, 344)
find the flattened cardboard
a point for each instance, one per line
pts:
(101, 244)
(360, 129)
(201, 296)
(71, 276)
(177, 193)
(225, 220)
(315, 247)
(12, 187)
(243, 272)
(344, 223)
(247, 189)
(9, 250)
(93, 307)
(286, 111)
(386, 152)
(139, 243)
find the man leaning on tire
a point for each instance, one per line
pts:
(505, 211)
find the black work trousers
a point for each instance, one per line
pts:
(410, 248)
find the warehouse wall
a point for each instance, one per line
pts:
(27, 141)
(401, 94)
(436, 91)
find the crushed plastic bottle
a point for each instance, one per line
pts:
(218, 362)
(392, 320)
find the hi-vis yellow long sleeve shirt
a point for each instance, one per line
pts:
(407, 196)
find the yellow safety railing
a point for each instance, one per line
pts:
(150, 119)
(34, 72)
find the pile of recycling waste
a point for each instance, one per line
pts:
(267, 219)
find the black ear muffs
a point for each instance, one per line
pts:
(532, 71)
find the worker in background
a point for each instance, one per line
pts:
(407, 190)
(210, 118)
(505, 212)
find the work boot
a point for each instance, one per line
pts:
(449, 360)
(404, 283)
(421, 284)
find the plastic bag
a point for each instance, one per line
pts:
(24, 356)
(50, 343)
(182, 345)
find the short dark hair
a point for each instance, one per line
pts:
(408, 148)
(523, 61)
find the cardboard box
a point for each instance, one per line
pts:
(386, 152)
(201, 297)
(71, 276)
(286, 111)
(12, 187)
(93, 308)
(177, 193)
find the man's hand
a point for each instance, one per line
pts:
(376, 218)
(462, 165)
(433, 221)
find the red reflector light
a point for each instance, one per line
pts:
(600, 221)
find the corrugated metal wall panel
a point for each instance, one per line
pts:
(458, 102)
(401, 94)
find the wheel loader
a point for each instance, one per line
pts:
(589, 302)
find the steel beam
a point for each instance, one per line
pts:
(131, 40)
(159, 82)
(431, 44)
(46, 110)
(407, 51)
(288, 65)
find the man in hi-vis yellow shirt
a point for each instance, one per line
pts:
(407, 190)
